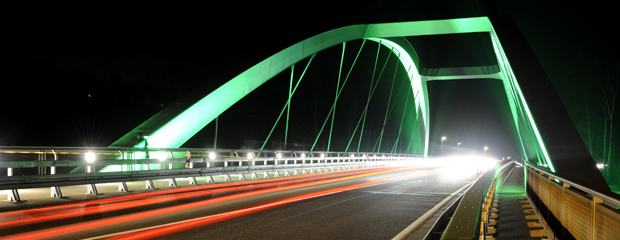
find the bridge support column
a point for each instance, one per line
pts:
(227, 178)
(304, 172)
(254, 176)
(172, 182)
(295, 173)
(122, 187)
(149, 184)
(91, 189)
(286, 173)
(192, 181)
(241, 177)
(14, 196)
(311, 170)
(266, 175)
(56, 193)
(210, 179)
(276, 174)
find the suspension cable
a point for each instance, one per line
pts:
(338, 95)
(387, 108)
(329, 140)
(287, 103)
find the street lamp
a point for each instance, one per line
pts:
(485, 150)
(442, 139)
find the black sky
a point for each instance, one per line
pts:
(134, 60)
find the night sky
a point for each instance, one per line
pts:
(86, 75)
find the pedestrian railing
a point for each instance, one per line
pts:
(570, 211)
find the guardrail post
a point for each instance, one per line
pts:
(122, 187)
(172, 182)
(595, 201)
(149, 184)
(266, 175)
(192, 181)
(304, 171)
(241, 177)
(9, 172)
(276, 174)
(56, 193)
(227, 178)
(564, 187)
(210, 179)
(14, 196)
(286, 173)
(92, 189)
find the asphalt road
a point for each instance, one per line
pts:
(380, 207)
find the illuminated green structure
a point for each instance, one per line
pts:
(177, 123)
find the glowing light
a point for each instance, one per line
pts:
(90, 157)
(322, 155)
(250, 155)
(162, 156)
(212, 155)
(279, 155)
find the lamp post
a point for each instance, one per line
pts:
(442, 139)
(485, 150)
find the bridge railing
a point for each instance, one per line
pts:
(570, 211)
(35, 167)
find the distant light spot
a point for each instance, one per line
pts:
(89, 95)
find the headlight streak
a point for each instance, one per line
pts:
(168, 229)
(57, 231)
(108, 205)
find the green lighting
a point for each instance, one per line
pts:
(171, 128)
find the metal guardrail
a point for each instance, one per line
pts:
(135, 164)
(570, 211)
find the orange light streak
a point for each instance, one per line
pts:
(186, 225)
(43, 215)
(79, 227)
